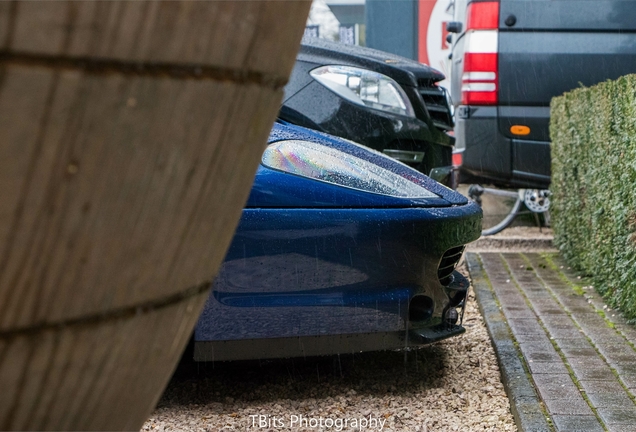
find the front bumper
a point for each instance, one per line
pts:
(491, 157)
(331, 344)
(303, 273)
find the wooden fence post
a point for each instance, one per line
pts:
(129, 137)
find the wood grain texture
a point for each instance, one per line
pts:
(104, 376)
(120, 190)
(206, 32)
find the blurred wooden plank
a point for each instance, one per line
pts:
(129, 137)
(205, 32)
(127, 178)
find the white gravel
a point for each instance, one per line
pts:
(453, 385)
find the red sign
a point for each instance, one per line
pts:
(425, 9)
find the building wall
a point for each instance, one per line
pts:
(411, 28)
(391, 25)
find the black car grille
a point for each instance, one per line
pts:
(448, 263)
(436, 102)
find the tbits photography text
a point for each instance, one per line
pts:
(299, 421)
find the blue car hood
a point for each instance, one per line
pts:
(274, 188)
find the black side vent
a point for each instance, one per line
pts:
(436, 102)
(448, 263)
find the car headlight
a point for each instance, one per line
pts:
(365, 87)
(319, 162)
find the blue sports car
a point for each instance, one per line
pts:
(340, 249)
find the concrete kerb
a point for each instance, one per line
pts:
(512, 244)
(529, 413)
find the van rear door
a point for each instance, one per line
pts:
(549, 47)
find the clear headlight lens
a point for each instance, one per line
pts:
(365, 87)
(319, 162)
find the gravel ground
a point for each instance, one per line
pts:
(452, 385)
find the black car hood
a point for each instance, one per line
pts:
(405, 71)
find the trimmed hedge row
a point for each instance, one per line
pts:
(593, 132)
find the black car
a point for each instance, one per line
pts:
(387, 102)
(509, 58)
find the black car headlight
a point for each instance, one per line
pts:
(330, 165)
(365, 87)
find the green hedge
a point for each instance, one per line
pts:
(593, 132)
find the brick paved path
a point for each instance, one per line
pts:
(580, 356)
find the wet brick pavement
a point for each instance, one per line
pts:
(579, 355)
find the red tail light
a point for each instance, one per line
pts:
(482, 16)
(458, 158)
(480, 78)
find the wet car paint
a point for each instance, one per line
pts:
(274, 188)
(311, 258)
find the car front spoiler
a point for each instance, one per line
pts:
(433, 334)
(307, 346)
